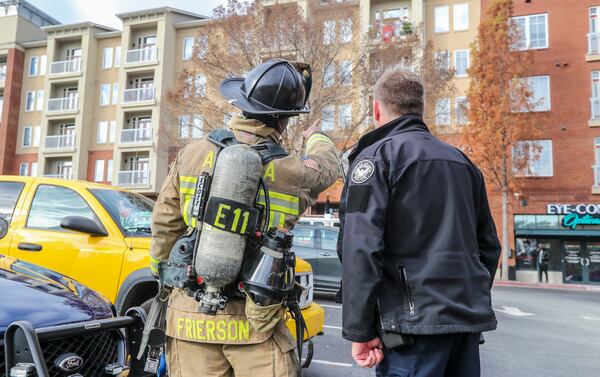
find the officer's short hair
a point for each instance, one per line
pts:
(400, 91)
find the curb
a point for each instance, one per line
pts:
(562, 287)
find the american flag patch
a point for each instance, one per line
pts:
(310, 163)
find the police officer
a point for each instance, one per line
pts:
(229, 344)
(419, 245)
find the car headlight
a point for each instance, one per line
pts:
(305, 279)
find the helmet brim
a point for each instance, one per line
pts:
(232, 92)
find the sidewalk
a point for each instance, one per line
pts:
(563, 287)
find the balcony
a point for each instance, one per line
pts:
(65, 67)
(59, 142)
(142, 55)
(136, 136)
(129, 178)
(64, 104)
(60, 176)
(136, 95)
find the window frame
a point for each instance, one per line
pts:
(345, 80)
(191, 50)
(108, 94)
(344, 106)
(448, 115)
(35, 67)
(99, 140)
(107, 57)
(109, 170)
(435, 19)
(325, 126)
(548, 99)
(527, 32)
(457, 105)
(527, 174)
(30, 138)
(96, 163)
(39, 101)
(468, 62)
(26, 165)
(115, 94)
(36, 136)
(346, 30)
(454, 16)
(21, 186)
(31, 108)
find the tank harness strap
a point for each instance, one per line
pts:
(154, 336)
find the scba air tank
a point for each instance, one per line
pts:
(222, 241)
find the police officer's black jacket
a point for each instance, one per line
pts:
(418, 241)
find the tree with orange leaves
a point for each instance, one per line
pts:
(500, 107)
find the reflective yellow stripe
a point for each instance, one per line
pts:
(186, 204)
(187, 190)
(317, 138)
(154, 265)
(278, 195)
(281, 202)
(188, 178)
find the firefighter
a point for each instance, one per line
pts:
(243, 339)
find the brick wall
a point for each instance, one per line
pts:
(9, 123)
(98, 155)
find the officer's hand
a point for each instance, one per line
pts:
(315, 127)
(368, 354)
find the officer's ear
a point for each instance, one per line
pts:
(376, 112)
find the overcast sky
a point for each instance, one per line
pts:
(103, 11)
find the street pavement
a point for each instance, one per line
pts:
(541, 333)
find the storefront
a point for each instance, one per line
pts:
(571, 234)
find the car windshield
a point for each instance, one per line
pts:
(129, 210)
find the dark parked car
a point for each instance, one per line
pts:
(55, 326)
(317, 245)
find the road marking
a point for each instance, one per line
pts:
(584, 317)
(332, 327)
(332, 363)
(331, 306)
(511, 310)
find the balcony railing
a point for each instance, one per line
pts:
(138, 95)
(65, 67)
(596, 175)
(59, 142)
(593, 43)
(60, 176)
(595, 107)
(62, 104)
(142, 55)
(136, 135)
(133, 177)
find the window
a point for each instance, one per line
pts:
(23, 169)
(198, 127)
(202, 42)
(29, 101)
(101, 138)
(52, 203)
(538, 157)
(111, 131)
(442, 112)
(595, 100)
(200, 85)
(304, 237)
(131, 212)
(346, 30)
(34, 65)
(441, 19)
(115, 93)
(462, 110)
(37, 130)
(328, 118)
(26, 137)
(329, 239)
(461, 62)
(461, 16)
(329, 75)
(328, 32)
(345, 116)
(99, 171)
(40, 101)
(117, 56)
(346, 72)
(9, 195)
(43, 63)
(109, 170)
(104, 94)
(531, 32)
(107, 57)
(184, 125)
(540, 89)
(34, 169)
(188, 48)
(442, 59)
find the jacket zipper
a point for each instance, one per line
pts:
(411, 304)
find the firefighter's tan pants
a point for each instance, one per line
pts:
(268, 359)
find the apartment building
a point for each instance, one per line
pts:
(558, 200)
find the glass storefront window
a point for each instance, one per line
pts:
(527, 251)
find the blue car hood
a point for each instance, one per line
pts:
(45, 298)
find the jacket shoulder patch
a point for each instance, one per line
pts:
(362, 171)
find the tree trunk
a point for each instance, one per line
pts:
(505, 246)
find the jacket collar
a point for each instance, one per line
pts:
(405, 123)
(251, 131)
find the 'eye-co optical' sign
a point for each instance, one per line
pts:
(576, 214)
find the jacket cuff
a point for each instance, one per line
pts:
(359, 336)
(316, 138)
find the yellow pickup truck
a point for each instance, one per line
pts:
(108, 250)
